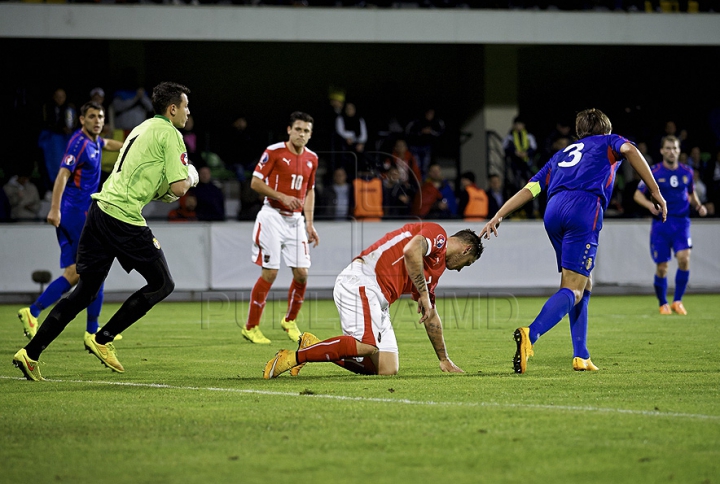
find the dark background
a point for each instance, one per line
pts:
(640, 88)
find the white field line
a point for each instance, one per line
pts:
(568, 408)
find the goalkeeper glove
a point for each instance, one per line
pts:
(193, 175)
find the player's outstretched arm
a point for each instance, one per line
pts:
(309, 211)
(433, 327)
(113, 144)
(54, 216)
(516, 201)
(638, 162)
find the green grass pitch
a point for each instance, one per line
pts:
(192, 406)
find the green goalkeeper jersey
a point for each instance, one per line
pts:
(151, 159)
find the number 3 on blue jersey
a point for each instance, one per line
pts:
(575, 153)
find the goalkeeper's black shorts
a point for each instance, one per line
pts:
(105, 238)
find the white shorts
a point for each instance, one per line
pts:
(364, 311)
(276, 234)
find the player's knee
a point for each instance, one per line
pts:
(300, 274)
(662, 270)
(269, 275)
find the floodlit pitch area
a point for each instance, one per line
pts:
(192, 405)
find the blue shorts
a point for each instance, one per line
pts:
(573, 221)
(673, 235)
(68, 235)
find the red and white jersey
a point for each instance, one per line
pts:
(287, 173)
(386, 255)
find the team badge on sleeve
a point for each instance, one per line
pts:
(184, 159)
(69, 160)
(264, 158)
(440, 241)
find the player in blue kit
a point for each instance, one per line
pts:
(579, 182)
(676, 183)
(78, 178)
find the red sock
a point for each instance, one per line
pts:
(258, 296)
(332, 349)
(296, 295)
(364, 367)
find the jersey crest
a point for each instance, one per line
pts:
(440, 241)
(184, 158)
(69, 160)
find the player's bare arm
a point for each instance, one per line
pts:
(180, 188)
(54, 216)
(413, 254)
(309, 211)
(263, 189)
(638, 162)
(516, 201)
(640, 198)
(433, 327)
(112, 144)
(697, 205)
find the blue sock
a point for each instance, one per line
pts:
(578, 326)
(93, 312)
(681, 280)
(50, 295)
(661, 289)
(552, 312)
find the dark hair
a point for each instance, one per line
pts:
(592, 122)
(90, 105)
(300, 116)
(469, 175)
(166, 94)
(469, 237)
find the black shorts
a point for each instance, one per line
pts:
(105, 238)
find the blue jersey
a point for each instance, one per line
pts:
(82, 157)
(675, 186)
(588, 165)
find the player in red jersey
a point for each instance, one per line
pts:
(285, 175)
(409, 260)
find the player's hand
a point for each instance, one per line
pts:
(425, 308)
(702, 211)
(660, 205)
(447, 366)
(53, 217)
(293, 203)
(491, 226)
(312, 235)
(193, 175)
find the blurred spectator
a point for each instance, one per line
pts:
(496, 195)
(239, 147)
(435, 199)
(130, 105)
(338, 198)
(695, 160)
(397, 195)
(250, 201)
(186, 211)
(368, 192)
(5, 208)
(59, 121)
(423, 136)
(190, 138)
(714, 186)
(97, 95)
(210, 201)
(325, 136)
(630, 207)
(405, 162)
(23, 196)
(701, 190)
(473, 202)
(563, 129)
(520, 149)
(352, 129)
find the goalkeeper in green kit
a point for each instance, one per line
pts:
(152, 165)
